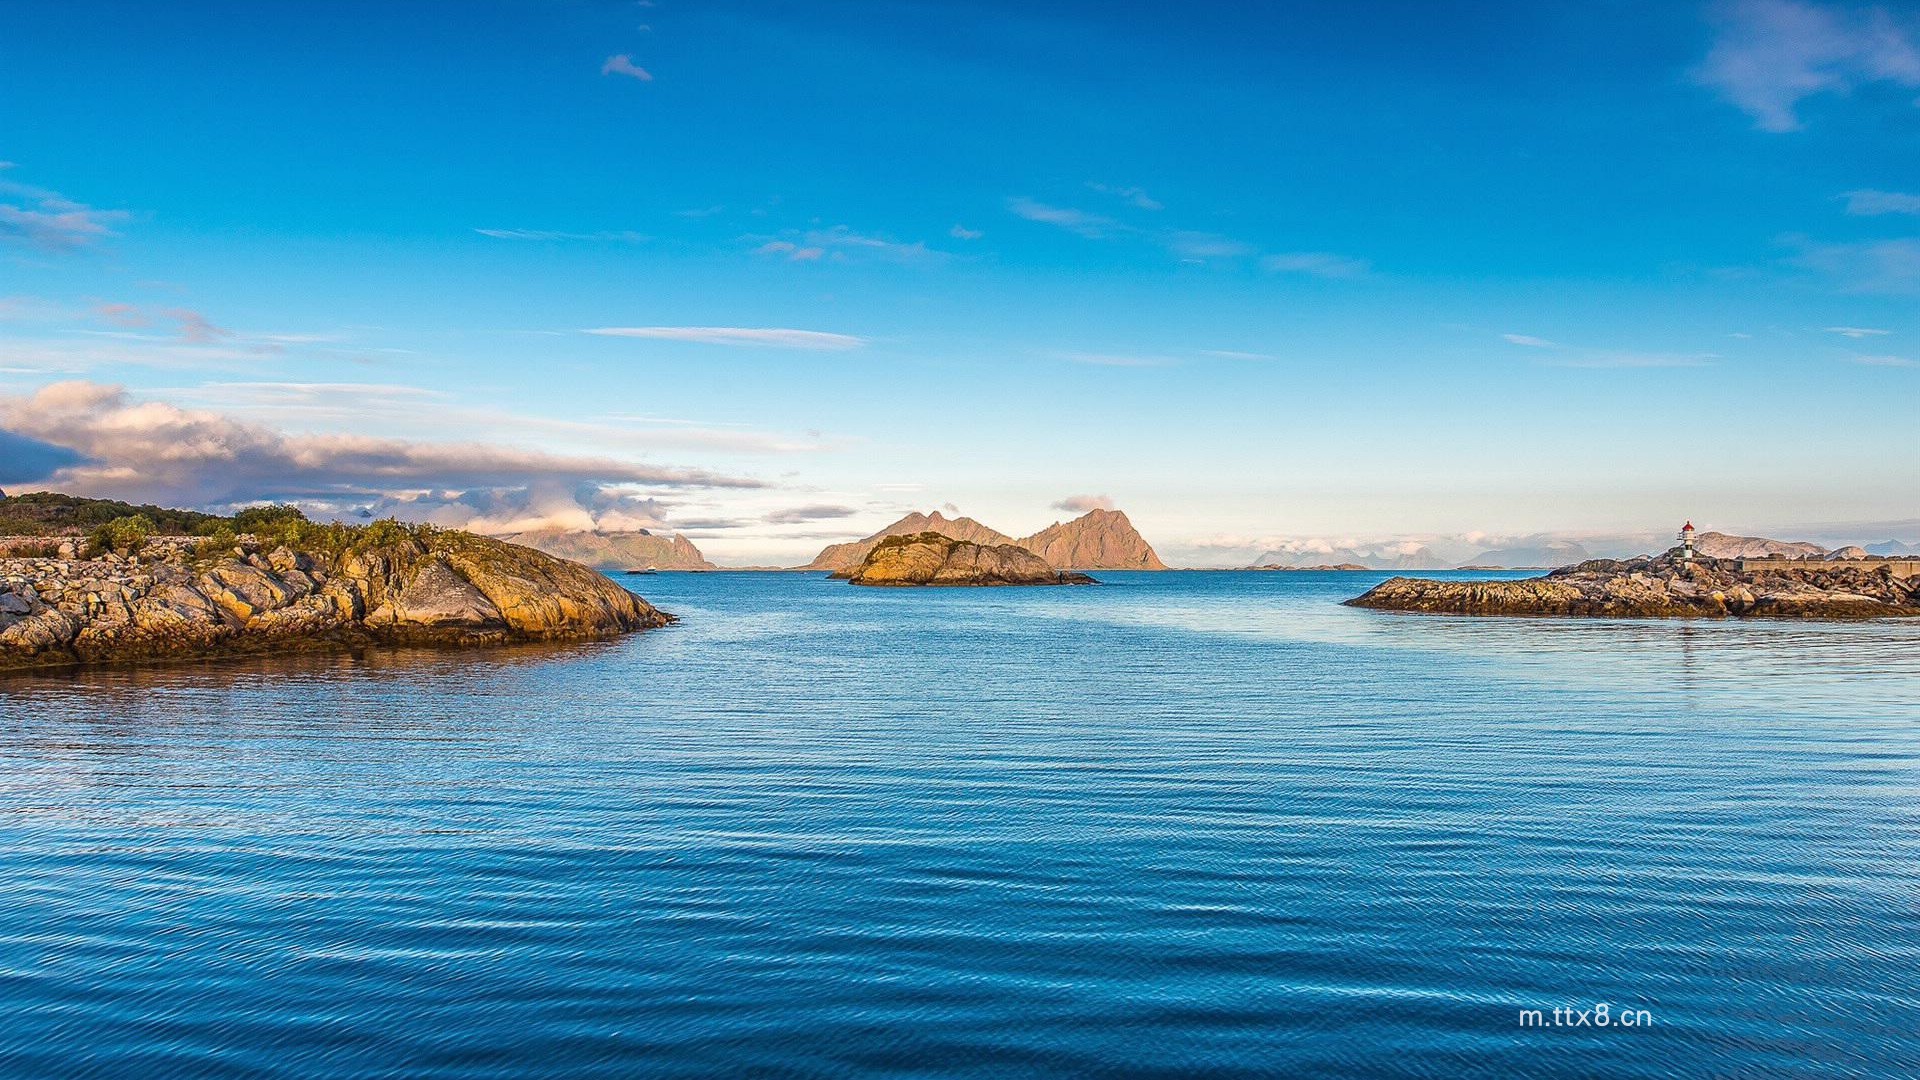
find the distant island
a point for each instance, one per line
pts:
(931, 558)
(1322, 567)
(1672, 585)
(1096, 540)
(89, 580)
(631, 549)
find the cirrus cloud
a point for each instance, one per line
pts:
(1866, 203)
(763, 337)
(1772, 54)
(38, 218)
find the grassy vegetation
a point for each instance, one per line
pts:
(113, 526)
(47, 513)
(903, 539)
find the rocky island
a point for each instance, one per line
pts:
(932, 558)
(268, 580)
(1668, 586)
(1096, 540)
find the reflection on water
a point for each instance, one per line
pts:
(1176, 824)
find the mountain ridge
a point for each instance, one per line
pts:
(615, 549)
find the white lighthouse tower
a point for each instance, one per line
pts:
(1686, 543)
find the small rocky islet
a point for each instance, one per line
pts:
(1668, 586)
(931, 558)
(125, 594)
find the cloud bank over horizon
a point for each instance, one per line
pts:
(99, 440)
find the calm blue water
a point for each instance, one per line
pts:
(1179, 824)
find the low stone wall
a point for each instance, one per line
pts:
(1902, 568)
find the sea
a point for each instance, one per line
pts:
(1184, 824)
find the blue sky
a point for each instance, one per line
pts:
(1307, 278)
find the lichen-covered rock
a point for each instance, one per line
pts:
(934, 559)
(173, 599)
(1664, 587)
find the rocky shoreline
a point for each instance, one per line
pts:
(931, 558)
(181, 597)
(1664, 587)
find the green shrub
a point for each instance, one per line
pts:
(124, 535)
(219, 540)
(256, 519)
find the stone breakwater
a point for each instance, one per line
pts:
(1664, 587)
(172, 599)
(934, 559)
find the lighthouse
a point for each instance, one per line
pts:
(1686, 543)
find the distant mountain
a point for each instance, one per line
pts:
(1553, 554)
(1420, 558)
(634, 550)
(1851, 551)
(1317, 566)
(1893, 547)
(844, 557)
(1096, 540)
(1715, 545)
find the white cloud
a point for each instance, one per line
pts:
(1884, 361)
(1867, 203)
(840, 243)
(1318, 263)
(1091, 226)
(622, 64)
(1771, 54)
(961, 232)
(772, 338)
(1529, 341)
(1856, 332)
(1080, 504)
(155, 451)
(795, 515)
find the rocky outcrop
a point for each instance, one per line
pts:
(173, 598)
(1320, 567)
(930, 558)
(615, 550)
(1664, 587)
(841, 558)
(1096, 540)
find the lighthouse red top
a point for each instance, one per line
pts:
(1688, 527)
